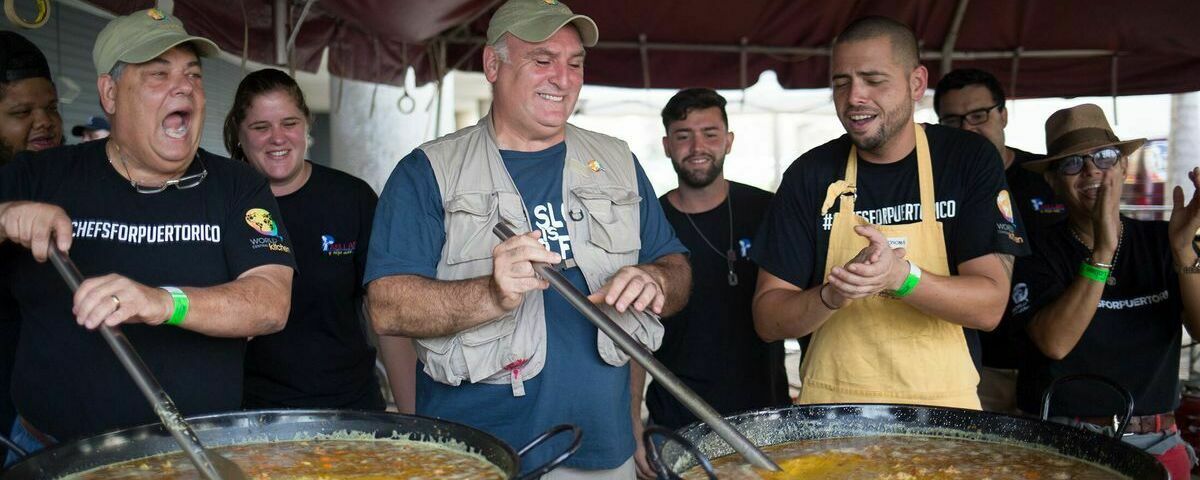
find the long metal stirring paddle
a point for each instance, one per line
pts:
(210, 464)
(643, 357)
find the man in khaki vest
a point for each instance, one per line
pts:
(498, 350)
(920, 214)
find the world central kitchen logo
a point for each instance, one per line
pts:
(260, 220)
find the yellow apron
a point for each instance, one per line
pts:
(881, 350)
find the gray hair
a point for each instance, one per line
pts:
(117, 70)
(501, 47)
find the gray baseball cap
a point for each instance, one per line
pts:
(142, 36)
(536, 20)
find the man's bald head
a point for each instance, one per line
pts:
(904, 43)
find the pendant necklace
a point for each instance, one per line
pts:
(730, 256)
(1112, 279)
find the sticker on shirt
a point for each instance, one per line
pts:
(1004, 203)
(1041, 206)
(554, 231)
(744, 247)
(331, 247)
(1020, 298)
(897, 242)
(260, 220)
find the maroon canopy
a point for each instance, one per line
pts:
(1064, 47)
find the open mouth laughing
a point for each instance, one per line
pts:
(177, 123)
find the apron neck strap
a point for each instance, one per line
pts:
(924, 173)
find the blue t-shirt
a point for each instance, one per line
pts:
(575, 386)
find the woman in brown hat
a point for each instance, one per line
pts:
(1104, 294)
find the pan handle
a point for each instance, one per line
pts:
(1119, 428)
(640, 354)
(576, 438)
(13, 447)
(655, 457)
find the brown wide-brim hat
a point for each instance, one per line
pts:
(1077, 130)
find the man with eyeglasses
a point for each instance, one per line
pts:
(1105, 294)
(973, 100)
(180, 248)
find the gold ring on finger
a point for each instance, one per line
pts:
(116, 300)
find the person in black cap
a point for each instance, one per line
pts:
(29, 120)
(29, 117)
(95, 129)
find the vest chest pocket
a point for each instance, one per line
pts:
(613, 217)
(469, 221)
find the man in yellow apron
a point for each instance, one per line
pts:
(883, 244)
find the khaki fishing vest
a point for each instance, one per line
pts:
(602, 214)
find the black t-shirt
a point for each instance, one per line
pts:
(322, 358)
(66, 381)
(9, 329)
(1039, 209)
(1133, 339)
(968, 182)
(1033, 197)
(711, 344)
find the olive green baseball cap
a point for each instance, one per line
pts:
(142, 36)
(535, 21)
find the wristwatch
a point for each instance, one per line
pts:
(1193, 269)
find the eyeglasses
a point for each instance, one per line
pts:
(1103, 159)
(183, 183)
(973, 117)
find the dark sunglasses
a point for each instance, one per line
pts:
(973, 117)
(1103, 159)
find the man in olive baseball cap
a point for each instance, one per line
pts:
(157, 109)
(503, 357)
(143, 36)
(177, 255)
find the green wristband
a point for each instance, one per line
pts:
(1092, 272)
(181, 304)
(910, 282)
